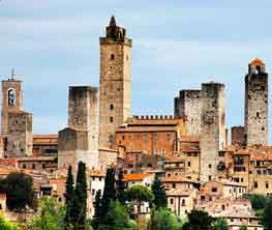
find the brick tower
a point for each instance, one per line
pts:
(115, 82)
(212, 129)
(256, 104)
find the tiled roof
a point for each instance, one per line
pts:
(135, 177)
(97, 172)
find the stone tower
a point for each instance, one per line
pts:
(79, 141)
(256, 104)
(115, 82)
(212, 129)
(189, 105)
(16, 126)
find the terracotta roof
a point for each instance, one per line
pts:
(136, 177)
(36, 158)
(180, 192)
(3, 196)
(97, 172)
(50, 139)
(257, 61)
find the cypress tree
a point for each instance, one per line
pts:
(160, 199)
(109, 192)
(78, 212)
(120, 185)
(69, 196)
(97, 210)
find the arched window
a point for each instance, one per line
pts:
(111, 106)
(11, 97)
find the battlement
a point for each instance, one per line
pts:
(155, 117)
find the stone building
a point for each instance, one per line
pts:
(16, 126)
(238, 135)
(256, 104)
(79, 141)
(115, 82)
(189, 105)
(212, 129)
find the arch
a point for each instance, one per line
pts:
(11, 96)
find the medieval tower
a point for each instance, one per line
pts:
(115, 82)
(79, 141)
(16, 125)
(256, 104)
(212, 129)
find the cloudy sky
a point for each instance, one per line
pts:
(176, 45)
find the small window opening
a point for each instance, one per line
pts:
(112, 57)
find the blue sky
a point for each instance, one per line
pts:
(176, 45)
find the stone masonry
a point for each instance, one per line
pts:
(256, 104)
(212, 129)
(115, 82)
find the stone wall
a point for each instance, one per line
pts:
(115, 83)
(256, 104)
(212, 129)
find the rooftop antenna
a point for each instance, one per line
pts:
(12, 73)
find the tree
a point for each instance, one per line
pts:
(257, 201)
(97, 212)
(199, 220)
(243, 227)
(120, 187)
(19, 190)
(116, 218)
(267, 220)
(79, 207)
(220, 224)
(109, 192)
(69, 196)
(140, 194)
(160, 199)
(164, 219)
(51, 216)
(6, 225)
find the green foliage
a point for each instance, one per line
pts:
(243, 227)
(109, 192)
(120, 187)
(6, 225)
(51, 216)
(19, 190)
(160, 199)
(140, 193)
(164, 219)
(267, 220)
(199, 220)
(257, 201)
(97, 213)
(259, 213)
(220, 224)
(116, 218)
(79, 206)
(69, 196)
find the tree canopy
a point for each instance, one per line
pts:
(160, 199)
(267, 220)
(220, 224)
(164, 219)
(199, 220)
(19, 189)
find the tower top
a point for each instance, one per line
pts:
(112, 21)
(257, 62)
(256, 66)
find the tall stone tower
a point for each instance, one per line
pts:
(79, 141)
(16, 125)
(189, 105)
(256, 104)
(115, 82)
(212, 129)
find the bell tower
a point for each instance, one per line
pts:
(256, 104)
(115, 82)
(11, 100)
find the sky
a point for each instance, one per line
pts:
(177, 44)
